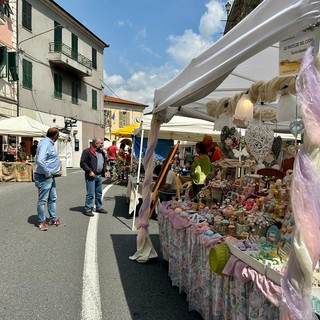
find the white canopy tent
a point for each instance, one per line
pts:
(269, 23)
(188, 93)
(180, 128)
(23, 126)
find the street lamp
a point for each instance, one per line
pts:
(228, 8)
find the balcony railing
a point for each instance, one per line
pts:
(64, 49)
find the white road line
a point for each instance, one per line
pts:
(91, 299)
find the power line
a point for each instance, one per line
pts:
(111, 90)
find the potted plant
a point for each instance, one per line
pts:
(22, 156)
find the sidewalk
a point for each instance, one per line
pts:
(149, 293)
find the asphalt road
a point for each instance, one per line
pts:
(41, 273)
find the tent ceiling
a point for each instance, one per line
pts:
(181, 128)
(270, 22)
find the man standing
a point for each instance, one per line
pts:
(213, 151)
(112, 151)
(46, 169)
(34, 148)
(93, 163)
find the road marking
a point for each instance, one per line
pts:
(91, 299)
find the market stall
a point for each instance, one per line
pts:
(270, 22)
(229, 258)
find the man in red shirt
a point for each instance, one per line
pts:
(112, 151)
(213, 151)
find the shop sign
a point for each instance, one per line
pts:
(292, 49)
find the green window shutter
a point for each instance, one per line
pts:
(27, 74)
(94, 100)
(74, 47)
(26, 15)
(57, 85)
(94, 58)
(74, 92)
(3, 62)
(12, 66)
(57, 37)
(120, 119)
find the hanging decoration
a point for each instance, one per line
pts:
(223, 120)
(259, 140)
(229, 141)
(286, 109)
(244, 111)
(296, 127)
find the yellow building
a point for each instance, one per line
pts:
(119, 113)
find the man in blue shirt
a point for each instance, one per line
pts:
(46, 169)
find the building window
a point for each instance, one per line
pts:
(123, 119)
(94, 99)
(74, 92)
(27, 74)
(57, 85)
(26, 15)
(74, 47)
(12, 66)
(57, 37)
(5, 8)
(3, 62)
(94, 58)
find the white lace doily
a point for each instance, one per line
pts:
(259, 139)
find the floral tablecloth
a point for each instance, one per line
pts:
(213, 296)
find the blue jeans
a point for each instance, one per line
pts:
(47, 193)
(94, 188)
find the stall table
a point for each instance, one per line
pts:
(212, 295)
(16, 171)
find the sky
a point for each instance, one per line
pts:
(150, 41)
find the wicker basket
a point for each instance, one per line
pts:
(218, 257)
(216, 194)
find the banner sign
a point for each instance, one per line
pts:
(292, 49)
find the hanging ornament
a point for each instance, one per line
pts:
(244, 111)
(259, 139)
(286, 109)
(224, 119)
(296, 127)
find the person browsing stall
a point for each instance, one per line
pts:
(200, 168)
(212, 150)
(112, 151)
(168, 189)
(47, 167)
(93, 163)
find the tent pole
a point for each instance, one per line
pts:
(136, 187)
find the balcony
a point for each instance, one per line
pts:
(63, 56)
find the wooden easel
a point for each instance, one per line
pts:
(162, 174)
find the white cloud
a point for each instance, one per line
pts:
(141, 34)
(141, 85)
(144, 81)
(189, 45)
(211, 23)
(184, 48)
(124, 23)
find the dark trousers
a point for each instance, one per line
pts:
(166, 195)
(196, 188)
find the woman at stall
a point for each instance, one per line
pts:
(201, 166)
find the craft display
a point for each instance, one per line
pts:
(252, 216)
(259, 139)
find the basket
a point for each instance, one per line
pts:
(218, 257)
(216, 193)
